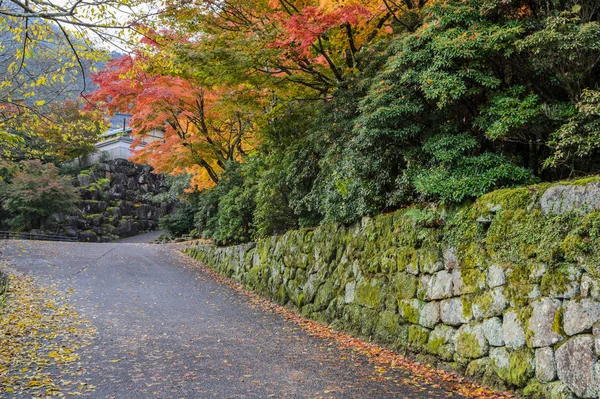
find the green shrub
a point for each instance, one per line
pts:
(34, 192)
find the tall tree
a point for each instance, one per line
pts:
(204, 127)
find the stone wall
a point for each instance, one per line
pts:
(114, 203)
(506, 289)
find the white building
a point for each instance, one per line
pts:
(116, 142)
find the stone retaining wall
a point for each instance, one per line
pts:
(506, 289)
(113, 201)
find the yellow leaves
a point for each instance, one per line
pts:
(39, 103)
(42, 80)
(39, 338)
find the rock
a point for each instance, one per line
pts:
(84, 180)
(452, 312)
(589, 287)
(491, 304)
(437, 286)
(471, 342)
(562, 283)
(430, 260)
(580, 316)
(495, 276)
(413, 267)
(442, 341)
(87, 236)
(72, 221)
(478, 368)
(542, 321)
(350, 292)
(368, 293)
(545, 369)
(580, 198)
(596, 333)
(552, 390)
(71, 231)
(575, 361)
(405, 285)
(521, 367)
(512, 331)
(430, 314)
(500, 361)
(492, 330)
(410, 310)
(450, 258)
(417, 337)
(467, 281)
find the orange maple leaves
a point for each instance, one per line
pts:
(201, 133)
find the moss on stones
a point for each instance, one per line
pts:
(368, 293)
(417, 337)
(561, 282)
(521, 367)
(410, 310)
(388, 328)
(407, 260)
(469, 345)
(552, 390)
(405, 285)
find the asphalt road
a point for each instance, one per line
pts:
(168, 330)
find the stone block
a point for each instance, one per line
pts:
(453, 313)
(580, 316)
(430, 259)
(551, 390)
(512, 330)
(430, 314)
(545, 368)
(500, 361)
(542, 323)
(417, 337)
(450, 258)
(437, 286)
(495, 276)
(492, 330)
(491, 303)
(442, 342)
(596, 333)
(368, 293)
(410, 310)
(560, 199)
(590, 287)
(471, 342)
(561, 283)
(405, 285)
(575, 361)
(467, 281)
(350, 292)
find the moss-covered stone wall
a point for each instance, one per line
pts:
(506, 289)
(114, 201)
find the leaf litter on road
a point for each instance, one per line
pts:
(40, 335)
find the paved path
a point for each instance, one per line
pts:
(142, 238)
(177, 333)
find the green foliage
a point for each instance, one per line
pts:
(478, 95)
(180, 221)
(34, 192)
(454, 175)
(579, 138)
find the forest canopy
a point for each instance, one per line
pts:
(292, 113)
